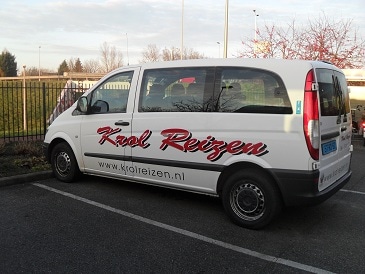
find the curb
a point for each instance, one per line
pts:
(25, 178)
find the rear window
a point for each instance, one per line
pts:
(247, 90)
(333, 92)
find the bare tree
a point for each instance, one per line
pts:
(175, 54)
(332, 41)
(320, 39)
(92, 66)
(151, 54)
(110, 57)
(171, 54)
(32, 71)
(190, 53)
(75, 65)
(71, 63)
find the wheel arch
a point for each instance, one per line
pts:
(231, 169)
(59, 140)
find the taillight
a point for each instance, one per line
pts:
(311, 115)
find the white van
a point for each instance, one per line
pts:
(259, 133)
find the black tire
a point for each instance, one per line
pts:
(251, 199)
(64, 164)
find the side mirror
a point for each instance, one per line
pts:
(82, 104)
(100, 106)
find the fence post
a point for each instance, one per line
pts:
(44, 108)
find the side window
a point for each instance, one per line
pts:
(112, 95)
(333, 92)
(174, 90)
(246, 90)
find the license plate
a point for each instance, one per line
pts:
(329, 147)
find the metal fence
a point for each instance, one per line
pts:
(27, 109)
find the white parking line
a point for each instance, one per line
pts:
(190, 234)
(353, 191)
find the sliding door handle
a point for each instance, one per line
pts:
(121, 123)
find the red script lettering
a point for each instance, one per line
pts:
(181, 139)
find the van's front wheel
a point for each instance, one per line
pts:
(251, 199)
(64, 164)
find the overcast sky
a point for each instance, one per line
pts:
(63, 29)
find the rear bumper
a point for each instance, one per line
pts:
(301, 188)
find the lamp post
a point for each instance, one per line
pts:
(24, 102)
(219, 49)
(126, 35)
(39, 63)
(182, 30)
(225, 32)
(255, 39)
(254, 11)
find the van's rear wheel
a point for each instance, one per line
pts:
(251, 199)
(64, 164)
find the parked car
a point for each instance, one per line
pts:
(358, 121)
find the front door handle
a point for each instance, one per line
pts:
(121, 123)
(343, 128)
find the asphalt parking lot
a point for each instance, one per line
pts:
(107, 226)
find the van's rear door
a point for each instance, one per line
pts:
(335, 126)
